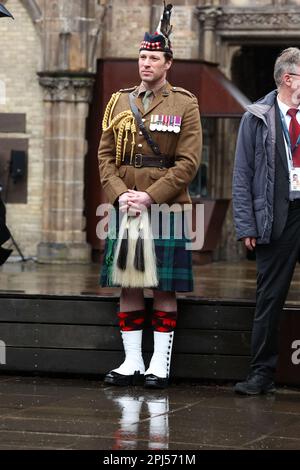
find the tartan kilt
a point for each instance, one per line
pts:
(173, 260)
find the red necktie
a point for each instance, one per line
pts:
(294, 131)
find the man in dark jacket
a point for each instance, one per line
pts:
(4, 11)
(4, 232)
(267, 209)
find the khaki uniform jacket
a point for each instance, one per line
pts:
(163, 185)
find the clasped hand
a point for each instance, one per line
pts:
(134, 201)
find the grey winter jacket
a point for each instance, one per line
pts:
(254, 171)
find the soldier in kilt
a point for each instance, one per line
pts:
(138, 172)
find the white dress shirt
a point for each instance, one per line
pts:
(284, 109)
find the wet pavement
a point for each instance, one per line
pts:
(85, 414)
(219, 280)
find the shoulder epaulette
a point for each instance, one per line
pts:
(124, 90)
(182, 90)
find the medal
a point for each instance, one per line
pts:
(165, 123)
(170, 123)
(153, 122)
(159, 123)
(177, 124)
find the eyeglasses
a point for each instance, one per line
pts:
(296, 74)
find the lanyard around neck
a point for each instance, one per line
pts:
(287, 136)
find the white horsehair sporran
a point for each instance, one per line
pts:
(134, 263)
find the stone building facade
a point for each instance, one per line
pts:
(48, 64)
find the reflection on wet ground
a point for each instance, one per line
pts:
(55, 413)
(221, 280)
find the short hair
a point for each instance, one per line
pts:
(168, 56)
(286, 62)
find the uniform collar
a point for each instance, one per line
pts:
(156, 92)
(162, 93)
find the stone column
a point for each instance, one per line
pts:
(208, 18)
(66, 97)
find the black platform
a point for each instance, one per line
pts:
(79, 334)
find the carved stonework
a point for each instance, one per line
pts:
(251, 20)
(67, 88)
(209, 16)
(245, 19)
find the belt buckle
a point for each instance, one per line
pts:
(161, 164)
(138, 160)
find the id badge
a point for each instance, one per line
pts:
(295, 179)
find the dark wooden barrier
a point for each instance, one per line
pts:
(80, 335)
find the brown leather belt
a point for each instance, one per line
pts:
(139, 161)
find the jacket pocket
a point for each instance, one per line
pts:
(260, 214)
(156, 173)
(259, 203)
(122, 170)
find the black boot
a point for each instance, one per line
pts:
(255, 384)
(152, 381)
(131, 371)
(157, 375)
(113, 378)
